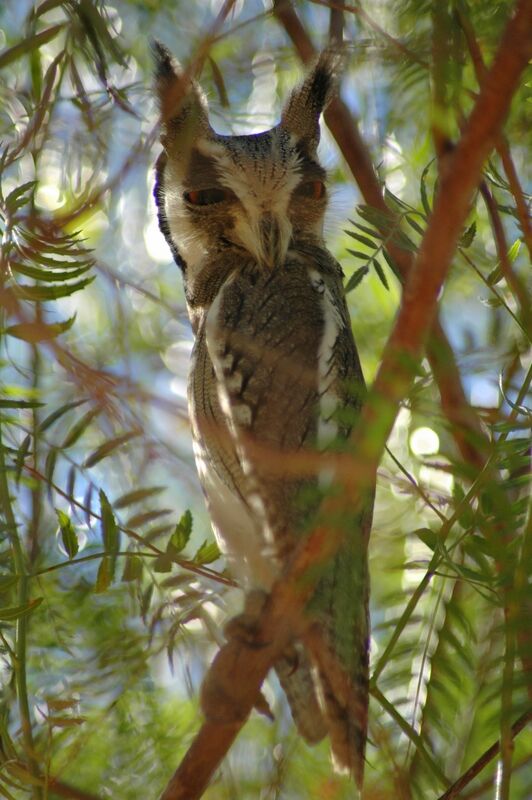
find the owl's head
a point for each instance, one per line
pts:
(257, 195)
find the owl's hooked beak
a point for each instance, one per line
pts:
(274, 238)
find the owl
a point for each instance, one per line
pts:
(274, 370)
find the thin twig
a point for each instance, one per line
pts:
(454, 790)
(514, 282)
(336, 26)
(397, 44)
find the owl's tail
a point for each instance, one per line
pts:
(346, 715)
(295, 676)
(323, 700)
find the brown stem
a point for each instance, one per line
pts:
(60, 789)
(336, 25)
(513, 280)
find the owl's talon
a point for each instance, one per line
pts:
(244, 627)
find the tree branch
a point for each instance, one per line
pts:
(235, 677)
(501, 144)
(60, 789)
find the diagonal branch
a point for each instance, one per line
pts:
(235, 677)
(502, 147)
(484, 760)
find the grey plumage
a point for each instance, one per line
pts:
(274, 369)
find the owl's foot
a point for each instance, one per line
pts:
(244, 627)
(218, 698)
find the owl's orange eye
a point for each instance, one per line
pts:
(207, 197)
(312, 189)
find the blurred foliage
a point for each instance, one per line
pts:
(112, 589)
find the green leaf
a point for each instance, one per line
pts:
(428, 537)
(21, 456)
(358, 254)
(80, 261)
(137, 495)
(423, 189)
(162, 563)
(513, 252)
(58, 413)
(207, 553)
(71, 482)
(104, 576)
(380, 272)
(16, 612)
(146, 600)
(38, 331)
(42, 293)
(394, 201)
(382, 220)
(68, 533)
(28, 44)
(495, 276)
(374, 234)
(87, 502)
(181, 535)
(66, 245)
(108, 447)
(466, 515)
(80, 427)
(49, 467)
(466, 240)
(400, 239)
(413, 224)
(20, 403)
(16, 198)
(110, 531)
(393, 266)
(132, 569)
(144, 517)
(363, 239)
(48, 275)
(356, 278)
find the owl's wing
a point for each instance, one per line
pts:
(283, 355)
(263, 336)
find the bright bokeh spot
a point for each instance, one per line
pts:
(424, 442)
(48, 197)
(437, 479)
(155, 242)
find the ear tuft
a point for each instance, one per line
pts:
(301, 114)
(166, 66)
(182, 103)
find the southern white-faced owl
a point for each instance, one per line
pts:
(274, 371)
